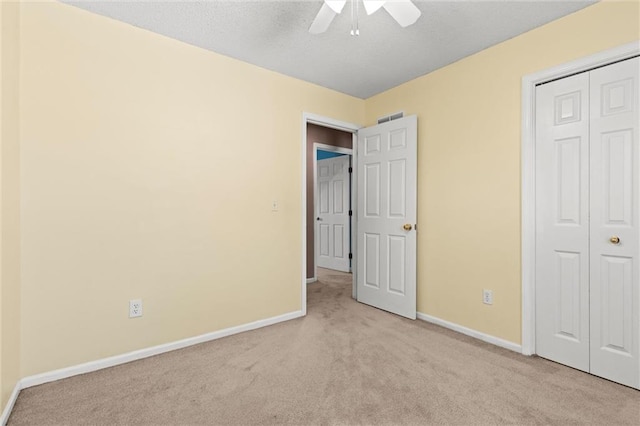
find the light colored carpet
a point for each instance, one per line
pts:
(344, 363)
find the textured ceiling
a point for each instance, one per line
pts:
(273, 35)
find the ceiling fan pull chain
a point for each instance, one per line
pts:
(357, 2)
(353, 32)
(355, 27)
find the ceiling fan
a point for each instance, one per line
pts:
(403, 11)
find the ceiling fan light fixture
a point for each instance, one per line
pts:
(403, 11)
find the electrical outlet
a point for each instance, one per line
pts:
(135, 308)
(487, 297)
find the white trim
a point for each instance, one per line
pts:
(88, 367)
(303, 292)
(331, 148)
(354, 216)
(326, 122)
(312, 280)
(470, 332)
(12, 401)
(528, 223)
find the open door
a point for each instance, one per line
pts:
(386, 209)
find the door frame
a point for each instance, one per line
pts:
(528, 178)
(348, 151)
(338, 125)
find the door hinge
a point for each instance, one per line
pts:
(350, 169)
(350, 255)
(350, 212)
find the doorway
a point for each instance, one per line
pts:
(330, 139)
(384, 212)
(320, 125)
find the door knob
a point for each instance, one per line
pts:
(318, 218)
(407, 227)
(614, 240)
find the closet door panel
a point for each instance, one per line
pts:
(614, 230)
(562, 221)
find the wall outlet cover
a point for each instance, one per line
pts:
(135, 308)
(487, 297)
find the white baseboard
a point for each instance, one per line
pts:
(12, 400)
(311, 280)
(470, 332)
(88, 367)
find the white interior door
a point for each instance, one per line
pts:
(562, 221)
(615, 234)
(332, 181)
(587, 213)
(387, 201)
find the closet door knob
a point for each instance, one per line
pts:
(614, 240)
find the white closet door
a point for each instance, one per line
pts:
(615, 200)
(562, 221)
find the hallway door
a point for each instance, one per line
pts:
(332, 217)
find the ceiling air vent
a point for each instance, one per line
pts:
(390, 117)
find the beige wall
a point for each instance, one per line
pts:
(327, 136)
(9, 200)
(149, 168)
(469, 163)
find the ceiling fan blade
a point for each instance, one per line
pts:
(323, 20)
(372, 5)
(403, 11)
(336, 5)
